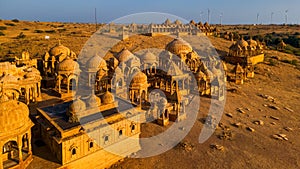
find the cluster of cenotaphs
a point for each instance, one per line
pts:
(103, 101)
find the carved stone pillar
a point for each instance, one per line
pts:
(68, 86)
(1, 162)
(20, 149)
(39, 89)
(29, 143)
(59, 83)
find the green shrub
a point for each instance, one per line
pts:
(38, 31)
(50, 31)
(3, 27)
(2, 34)
(292, 62)
(15, 20)
(10, 24)
(273, 62)
(61, 30)
(297, 53)
(21, 36)
(25, 29)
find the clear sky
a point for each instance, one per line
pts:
(234, 11)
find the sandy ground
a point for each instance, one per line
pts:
(272, 98)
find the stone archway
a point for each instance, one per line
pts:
(10, 154)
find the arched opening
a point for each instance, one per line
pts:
(106, 139)
(133, 128)
(25, 143)
(120, 133)
(134, 70)
(74, 151)
(91, 144)
(73, 84)
(143, 96)
(126, 71)
(119, 83)
(10, 154)
(166, 113)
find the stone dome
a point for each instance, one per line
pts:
(179, 46)
(60, 51)
(118, 71)
(30, 75)
(163, 101)
(14, 115)
(192, 22)
(68, 65)
(168, 22)
(216, 72)
(148, 57)
(93, 62)
(178, 22)
(238, 69)
(139, 78)
(174, 70)
(107, 98)
(242, 43)
(93, 101)
(125, 55)
(8, 78)
(252, 43)
(96, 63)
(77, 106)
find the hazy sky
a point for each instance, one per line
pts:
(234, 11)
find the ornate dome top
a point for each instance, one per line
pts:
(163, 101)
(238, 69)
(107, 98)
(96, 62)
(32, 73)
(192, 22)
(8, 78)
(139, 78)
(14, 116)
(252, 43)
(148, 57)
(242, 43)
(118, 71)
(68, 65)
(177, 22)
(60, 51)
(125, 55)
(174, 70)
(93, 101)
(216, 72)
(93, 62)
(179, 46)
(168, 22)
(77, 106)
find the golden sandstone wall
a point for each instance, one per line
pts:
(257, 59)
(104, 159)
